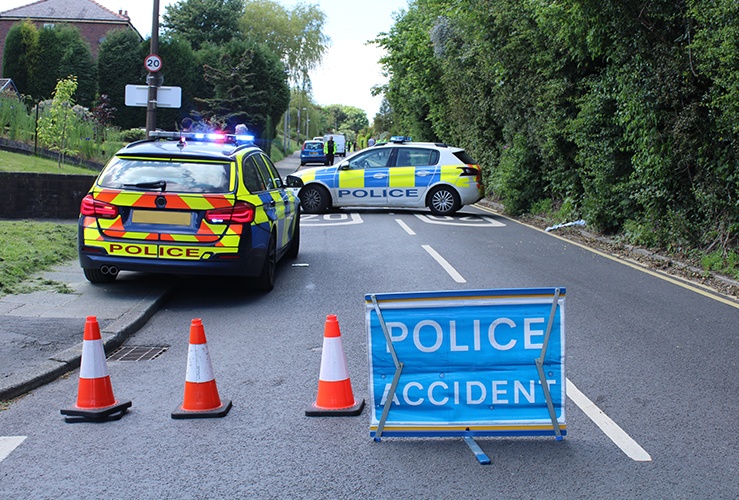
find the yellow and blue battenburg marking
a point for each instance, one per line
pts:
(386, 177)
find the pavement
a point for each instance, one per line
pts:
(41, 332)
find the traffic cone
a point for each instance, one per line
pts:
(95, 400)
(201, 394)
(335, 397)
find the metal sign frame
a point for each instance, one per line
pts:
(539, 298)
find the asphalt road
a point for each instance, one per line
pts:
(656, 357)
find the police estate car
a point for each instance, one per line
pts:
(189, 204)
(399, 173)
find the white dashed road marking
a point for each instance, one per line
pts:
(446, 265)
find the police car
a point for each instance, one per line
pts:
(189, 204)
(399, 173)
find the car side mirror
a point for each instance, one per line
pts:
(294, 182)
(344, 165)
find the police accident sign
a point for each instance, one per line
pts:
(467, 363)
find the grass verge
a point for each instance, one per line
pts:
(16, 162)
(29, 247)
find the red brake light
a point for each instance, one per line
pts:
(241, 213)
(96, 208)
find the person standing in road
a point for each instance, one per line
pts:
(330, 149)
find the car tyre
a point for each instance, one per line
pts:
(314, 199)
(292, 251)
(443, 200)
(97, 277)
(266, 280)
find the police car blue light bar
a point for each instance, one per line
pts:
(202, 136)
(401, 138)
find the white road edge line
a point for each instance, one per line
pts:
(405, 227)
(8, 444)
(447, 266)
(608, 426)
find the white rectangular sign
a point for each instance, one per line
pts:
(167, 97)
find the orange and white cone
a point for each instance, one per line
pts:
(201, 394)
(335, 396)
(95, 400)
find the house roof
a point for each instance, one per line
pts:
(65, 10)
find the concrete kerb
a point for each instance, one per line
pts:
(69, 359)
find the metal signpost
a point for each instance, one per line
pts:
(153, 64)
(467, 363)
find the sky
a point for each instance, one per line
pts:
(350, 68)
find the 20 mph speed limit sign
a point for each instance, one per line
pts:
(153, 63)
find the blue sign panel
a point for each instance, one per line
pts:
(467, 363)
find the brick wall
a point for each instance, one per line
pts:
(42, 196)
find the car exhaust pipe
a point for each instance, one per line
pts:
(109, 270)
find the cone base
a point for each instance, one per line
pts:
(351, 411)
(217, 412)
(105, 414)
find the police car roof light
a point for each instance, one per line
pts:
(400, 138)
(201, 136)
(163, 134)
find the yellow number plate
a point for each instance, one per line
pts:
(161, 217)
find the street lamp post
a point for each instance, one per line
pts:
(307, 130)
(299, 125)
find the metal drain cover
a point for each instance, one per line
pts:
(137, 352)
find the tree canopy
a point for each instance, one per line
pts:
(621, 113)
(296, 35)
(201, 21)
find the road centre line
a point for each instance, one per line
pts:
(8, 444)
(608, 426)
(405, 227)
(446, 265)
(632, 265)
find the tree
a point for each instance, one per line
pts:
(61, 53)
(77, 60)
(53, 127)
(120, 63)
(201, 21)
(248, 86)
(179, 68)
(342, 118)
(19, 56)
(296, 36)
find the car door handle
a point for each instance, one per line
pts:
(424, 173)
(379, 176)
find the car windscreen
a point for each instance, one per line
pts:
(465, 158)
(313, 146)
(171, 176)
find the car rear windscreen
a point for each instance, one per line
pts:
(171, 176)
(313, 146)
(465, 158)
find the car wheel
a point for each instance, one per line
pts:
(98, 277)
(292, 252)
(314, 199)
(266, 280)
(443, 200)
(302, 163)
